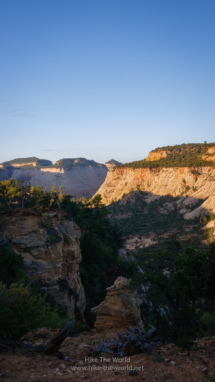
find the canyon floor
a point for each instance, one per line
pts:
(146, 226)
(166, 363)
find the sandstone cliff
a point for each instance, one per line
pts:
(120, 308)
(51, 250)
(78, 176)
(77, 181)
(194, 183)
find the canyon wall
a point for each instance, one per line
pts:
(78, 181)
(50, 246)
(192, 184)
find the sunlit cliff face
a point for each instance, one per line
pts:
(189, 183)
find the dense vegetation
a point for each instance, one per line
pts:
(137, 217)
(201, 147)
(22, 307)
(180, 290)
(22, 311)
(185, 155)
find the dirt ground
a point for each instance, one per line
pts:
(166, 363)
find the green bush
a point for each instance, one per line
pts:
(209, 321)
(46, 221)
(184, 343)
(22, 312)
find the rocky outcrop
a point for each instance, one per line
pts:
(211, 150)
(156, 155)
(112, 163)
(77, 181)
(210, 154)
(192, 184)
(50, 246)
(120, 308)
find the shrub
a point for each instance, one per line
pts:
(22, 312)
(184, 343)
(46, 221)
(209, 321)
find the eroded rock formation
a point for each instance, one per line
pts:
(50, 246)
(120, 309)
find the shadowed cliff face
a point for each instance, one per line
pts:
(148, 225)
(196, 183)
(51, 250)
(3, 175)
(78, 181)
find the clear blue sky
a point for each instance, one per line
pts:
(105, 79)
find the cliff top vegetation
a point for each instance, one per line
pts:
(74, 162)
(43, 162)
(192, 147)
(185, 155)
(66, 163)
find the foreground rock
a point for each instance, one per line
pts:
(50, 246)
(120, 308)
(135, 341)
(166, 363)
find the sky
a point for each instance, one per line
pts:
(104, 79)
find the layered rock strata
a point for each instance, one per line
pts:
(120, 309)
(51, 250)
(77, 181)
(192, 184)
